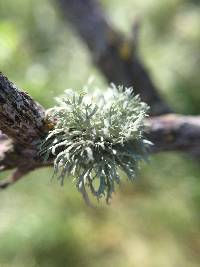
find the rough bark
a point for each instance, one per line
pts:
(114, 54)
(21, 118)
(22, 125)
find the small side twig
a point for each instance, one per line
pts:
(14, 177)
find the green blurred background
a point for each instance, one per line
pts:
(154, 222)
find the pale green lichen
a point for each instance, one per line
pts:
(95, 136)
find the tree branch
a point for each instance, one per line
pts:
(23, 120)
(114, 54)
(175, 133)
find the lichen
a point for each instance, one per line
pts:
(94, 137)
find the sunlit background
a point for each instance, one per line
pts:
(154, 222)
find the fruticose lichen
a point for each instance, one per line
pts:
(95, 136)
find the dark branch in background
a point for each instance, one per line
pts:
(114, 54)
(23, 120)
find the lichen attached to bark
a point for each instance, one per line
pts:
(95, 136)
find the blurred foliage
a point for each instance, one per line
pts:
(153, 222)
